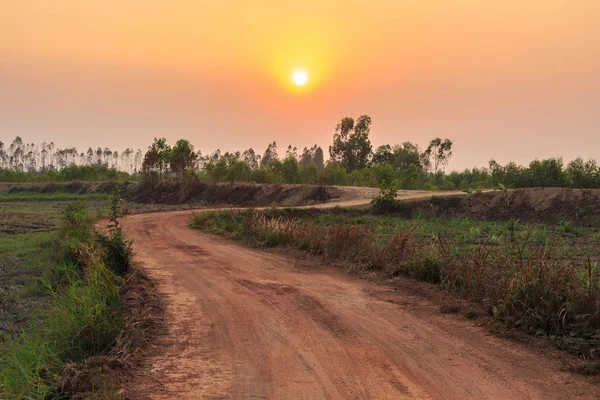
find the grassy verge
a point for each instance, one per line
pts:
(82, 317)
(52, 197)
(544, 280)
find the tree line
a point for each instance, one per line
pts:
(20, 156)
(352, 161)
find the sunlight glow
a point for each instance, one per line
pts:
(300, 78)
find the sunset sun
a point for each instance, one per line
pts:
(300, 78)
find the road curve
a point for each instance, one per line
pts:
(247, 324)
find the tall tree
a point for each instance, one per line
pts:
(138, 160)
(383, 155)
(251, 158)
(182, 156)
(3, 156)
(157, 157)
(306, 158)
(351, 146)
(292, 152)
(270, 155)
(439, 152)
(319, 158)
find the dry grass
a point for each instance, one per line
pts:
(541, 287)
(338, 242)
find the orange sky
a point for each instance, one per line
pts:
(513, 80)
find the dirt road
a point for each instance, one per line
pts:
(246, 324)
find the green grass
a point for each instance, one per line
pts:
(61, 302)
(83, 319)
(52, 197)
(23, 262)
(23, 215)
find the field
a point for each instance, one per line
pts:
(60, 285)
(29, 224)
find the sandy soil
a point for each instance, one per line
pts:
(246, 324)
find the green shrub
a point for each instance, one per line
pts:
(426, 268)
(117, 249)
(386, 201)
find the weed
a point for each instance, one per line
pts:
(566, 227)
(118, 250)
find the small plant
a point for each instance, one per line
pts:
(75, 228)
(512, 225)
(501, 187)
(118, 250)
(568, 228)
(386, 201)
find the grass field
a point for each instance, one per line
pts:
(28, 235)
(59, 293)
(538, 278)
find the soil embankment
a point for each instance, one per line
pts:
(543, 205)
(197, 193)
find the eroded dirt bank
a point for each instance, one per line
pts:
(244, 324)
(198, 193)
(541, 205)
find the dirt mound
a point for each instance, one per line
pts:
(545, 205)
(248, 195)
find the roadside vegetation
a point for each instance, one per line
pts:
(537, 278)
(352, 161)
(61, 301)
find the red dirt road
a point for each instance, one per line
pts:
(246, 324)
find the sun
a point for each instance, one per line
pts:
(300, 77)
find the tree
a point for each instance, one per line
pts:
(438, 153)
(291, 152)
(546, 173)
(99, 156)
(383, 155)
(182, 157)
(319, 158)
(351, 146)
(270, 155)
(106, 153)
(335, 174)
(16, 148)
(3, 156)
(157, 157)
(251, 158)
(306, 158)
(583, 174)
(290, 170)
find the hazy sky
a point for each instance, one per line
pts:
(511, 79)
